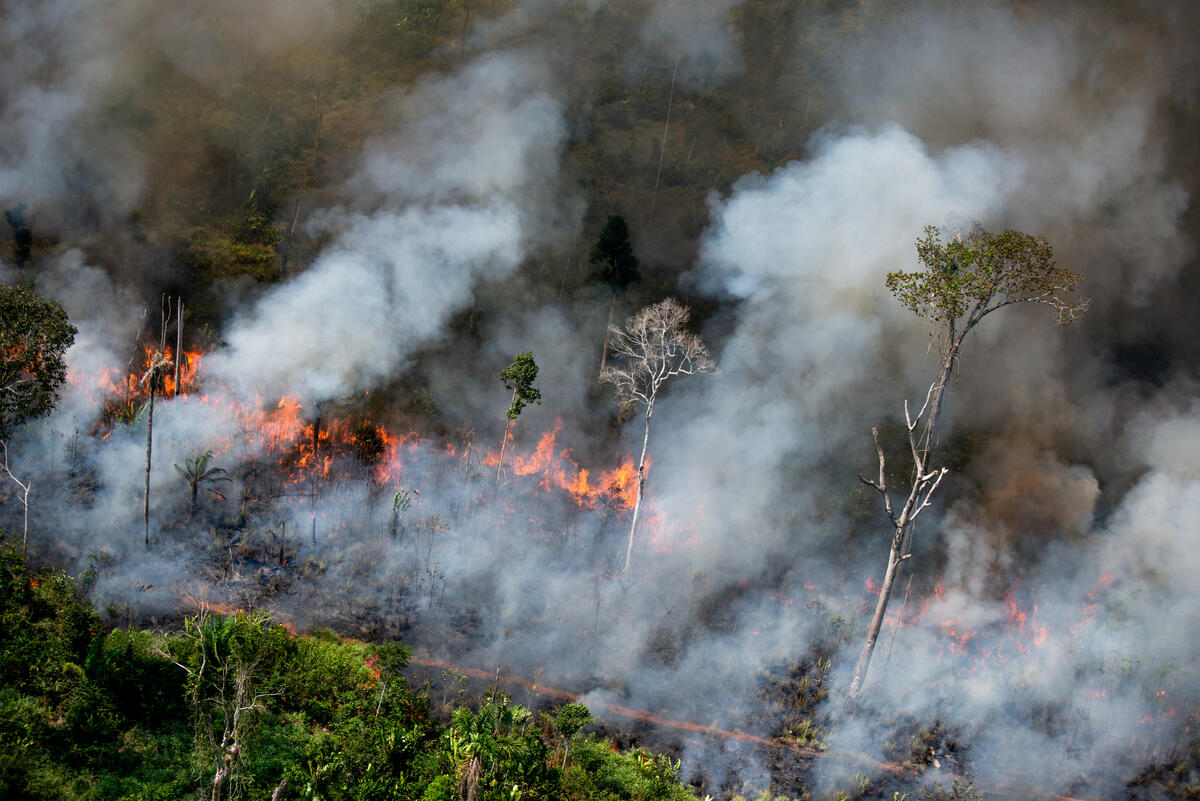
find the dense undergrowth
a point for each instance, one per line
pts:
(236, 706)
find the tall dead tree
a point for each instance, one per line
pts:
(652, 348)
(962, 281)
(154, 379)
(157, 370)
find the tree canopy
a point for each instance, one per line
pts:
(519, 377)
(34, 336)
(977, 272)
(652, 348)
(612, 258)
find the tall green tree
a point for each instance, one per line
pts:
(569, 720)
(519, 377)
(962, 280)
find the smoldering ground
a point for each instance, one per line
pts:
(1047, 622)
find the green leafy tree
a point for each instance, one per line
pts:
(569, 720)
(518, 377)
(34, 337)
(196, 472)
(612, 259)
(489, 744)
(963, 279)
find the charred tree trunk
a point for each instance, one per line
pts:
(149, 451)
(641, 484)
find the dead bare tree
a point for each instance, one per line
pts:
(963, 280)
(157, 370)
(24, 495)
(652, 348)
(154, 378)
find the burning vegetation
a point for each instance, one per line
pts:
(370, 207)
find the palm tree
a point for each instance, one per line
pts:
(480, 741)
(196, 472)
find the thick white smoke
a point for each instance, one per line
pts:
(1077, 503)
(458, 185)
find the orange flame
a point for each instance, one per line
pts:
(556, 470)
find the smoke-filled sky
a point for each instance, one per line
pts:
(1074, 483)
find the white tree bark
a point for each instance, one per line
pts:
(650, 350)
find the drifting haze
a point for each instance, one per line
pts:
(1074, 507)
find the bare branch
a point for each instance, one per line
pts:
(652, 348)
(925, 502)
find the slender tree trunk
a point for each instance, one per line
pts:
(885, 595)
(25, 514)
(287, 239)
(641, 484)
(902, 534)
(662, 150)
(504, 442)
(612, 309)
(178, 341)
(567, 263)
(149, 448)
(24, 497)
(462, 36)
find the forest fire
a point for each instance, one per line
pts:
(305, 446)
(129, 387)
(556, 470)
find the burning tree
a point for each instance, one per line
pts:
(963, 280)
(653, 348)
(34, 336)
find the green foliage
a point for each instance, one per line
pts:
(196, 472)
(34, 336)
(519, 377)
(978, 272)
(92, 716)
(962, 789)
(612, 258)
(570, 719)
(600, 773)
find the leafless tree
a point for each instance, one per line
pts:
(652, 348)
(24, 493)
(963, 280)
